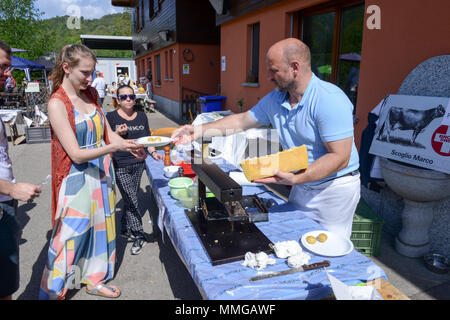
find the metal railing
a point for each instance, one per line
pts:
(190, 107)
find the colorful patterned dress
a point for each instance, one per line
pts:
(82, 249)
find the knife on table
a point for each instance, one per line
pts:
(305, 267)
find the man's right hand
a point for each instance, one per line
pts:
(25, 191)
(183, 135)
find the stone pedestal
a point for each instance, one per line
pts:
(413, 239)
(421, 189)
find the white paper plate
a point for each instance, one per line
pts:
(334, 246)
(154, 141)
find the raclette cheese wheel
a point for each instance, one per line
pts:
(293, 159)
(166, 132)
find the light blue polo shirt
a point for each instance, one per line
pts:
(324, 114)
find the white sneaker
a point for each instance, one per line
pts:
(137, 246)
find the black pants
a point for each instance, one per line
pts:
(9, 248)
(129, 180)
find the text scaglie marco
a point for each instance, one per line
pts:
(407, 155)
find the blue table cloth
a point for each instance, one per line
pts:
(231, 281)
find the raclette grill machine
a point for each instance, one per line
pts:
(225, 223)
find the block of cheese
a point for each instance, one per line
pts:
(165, 132)
(293, 159)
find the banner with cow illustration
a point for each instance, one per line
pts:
(414, 130)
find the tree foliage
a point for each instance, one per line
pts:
(22, 26)
(118, 24)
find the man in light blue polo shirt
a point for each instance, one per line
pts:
(324, 114)
(304, 110)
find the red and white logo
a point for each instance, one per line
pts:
(440, 141)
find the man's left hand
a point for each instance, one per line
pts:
(279, 177)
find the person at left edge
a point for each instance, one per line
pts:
(10, 192)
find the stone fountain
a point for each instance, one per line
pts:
(421, 189)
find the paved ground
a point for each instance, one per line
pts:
(157, 273)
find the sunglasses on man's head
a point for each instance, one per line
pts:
(125, 96)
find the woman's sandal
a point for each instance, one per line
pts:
(96, 291)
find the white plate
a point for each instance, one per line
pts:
(334, 246)
(154, 141)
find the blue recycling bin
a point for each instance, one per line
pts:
(211, 103)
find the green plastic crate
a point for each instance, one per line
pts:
(366, 230)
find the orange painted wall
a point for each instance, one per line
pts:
(169, 89)
(411, 31)
(274, 25)
(204, 69)
(204, 72)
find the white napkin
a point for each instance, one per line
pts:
(257, 261)
(40, 114)
(286, 249)
(240, 178)
(344, 292)
(28, 121)
(291, 249)
(298, 260)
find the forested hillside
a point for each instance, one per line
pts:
(118, 24)
(22, 26)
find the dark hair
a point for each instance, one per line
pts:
(5, 47)
(122, 87)
(71, 54)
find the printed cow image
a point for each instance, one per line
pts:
(409, 119)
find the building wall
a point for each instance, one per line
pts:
(196, 22)
(147, 32)
(168, 88)
(192, 26)
(203, 77)
(410, 33)
(275, 21)
(204, 69)
(186, 21)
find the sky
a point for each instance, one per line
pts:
(89, 9)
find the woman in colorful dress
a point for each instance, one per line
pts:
(82, 248)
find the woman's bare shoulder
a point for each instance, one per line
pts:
(56, 106)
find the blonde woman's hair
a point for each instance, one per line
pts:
(71, 54)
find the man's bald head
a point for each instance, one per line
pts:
(289, 65)
(290, 50)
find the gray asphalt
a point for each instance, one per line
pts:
(157, 273)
